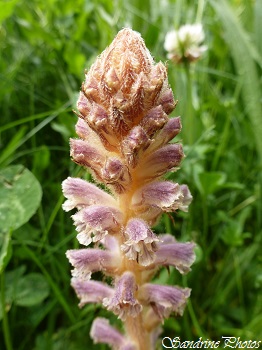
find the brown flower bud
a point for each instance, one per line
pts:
(154, 120)
(123, 87)
(134, 144)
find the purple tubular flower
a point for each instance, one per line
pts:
(88, 156)
(87, 261)
(83, 105)
(83, 130)
(179, 255)
(166, 238)
(125, 136)
(111, 243)
(91, 291)
(164, 195)
(97, 220)
(102, 332)
(141, 242)
(80, 194)
(123, 303)
(187, 198)
(171, 129)
(167, 101)
(161, 161)
(164, 299)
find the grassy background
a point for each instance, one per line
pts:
(45, 47)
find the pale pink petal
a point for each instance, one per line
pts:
(82, 129)
(141, 242)
(111, 243)
(161, 161)
(98, 221)
(84, 154)
(179, 255)
(80, 194)
(91, 291)
(83, 105)
(164, 299)
(166, 238)
(163, 194)
(187, 198)
(103, 332)
(87, 261)
(123, 303)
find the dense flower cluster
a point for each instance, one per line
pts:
(125, 141)
(184, 44)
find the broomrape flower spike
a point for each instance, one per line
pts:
(184, 44)
(124, 140)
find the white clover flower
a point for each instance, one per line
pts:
(185, 43)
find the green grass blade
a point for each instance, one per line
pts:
(239, 43)
(52, 284)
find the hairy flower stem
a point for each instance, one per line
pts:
(125, 140)
(134, 327)
(136, 330)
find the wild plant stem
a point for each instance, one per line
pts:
(6, 330)
(205, 217)
(222, 143)
(136, 331)
(134, 327)
(192, 313)
(189, 124)
(200, 11)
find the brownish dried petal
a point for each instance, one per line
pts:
(154, 120)
(166, 100)
(166, 134)
(134, 144)
(116, 173)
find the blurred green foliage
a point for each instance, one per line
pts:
(45, 47)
